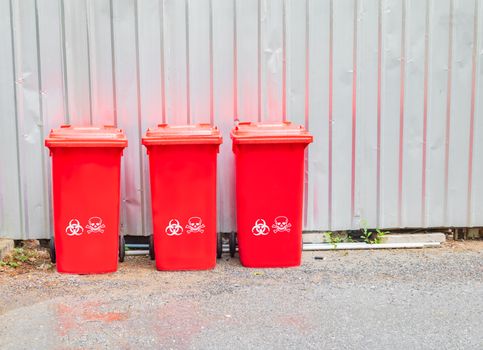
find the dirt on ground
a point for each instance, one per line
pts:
(398, 299)
(27, 257)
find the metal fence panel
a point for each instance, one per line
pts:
(391, 90)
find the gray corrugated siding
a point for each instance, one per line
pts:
(392, 91)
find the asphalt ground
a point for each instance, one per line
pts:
(386, 299)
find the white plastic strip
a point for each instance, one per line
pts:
(365, 246)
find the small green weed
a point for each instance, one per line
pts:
(349, 239)
(18, 257)
(333, 239)
(372, 237)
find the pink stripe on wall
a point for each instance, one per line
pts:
(307, 106)
(425, 117)
(284, 61)
(472, 115)
(235, 64)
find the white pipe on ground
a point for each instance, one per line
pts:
(365, 246)
(359, 246)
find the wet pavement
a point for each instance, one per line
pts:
(398, 299)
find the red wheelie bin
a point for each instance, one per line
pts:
(182, 162)
(86, 163)
(269, 161)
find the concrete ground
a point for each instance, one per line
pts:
(398, 299)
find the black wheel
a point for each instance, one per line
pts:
(219, 245)
(52, 251)
(232, 244)
(151, 247)
(122, 249)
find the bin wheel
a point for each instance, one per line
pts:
(122, 249)
(52, 251)
(232, 244)
(219, 245)
(151, 247)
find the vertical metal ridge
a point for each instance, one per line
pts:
(65, 89)
(45, 192)
(19, 86)
(401, 112)
(331, 44)
(139, 111)
(307, 104)
(39, 65)
(235, 64)
(379, 110)
(448, 111)
(17, 126)
(89, 78)
(187, 41)
(259, 59)
(212, 114)
(113, 62)
(354, 111)
(472, 113)
(307, 63)
(284, 60)
(425, 115)
(161, 48)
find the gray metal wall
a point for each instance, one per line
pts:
(392, 91)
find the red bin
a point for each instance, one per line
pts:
(86, 164)
(269, 162)
(182, 162)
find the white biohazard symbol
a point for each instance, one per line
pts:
(74, 228)
(174, 228)
(281, 224)
(95, 225)
(260, 228)
(195, 224)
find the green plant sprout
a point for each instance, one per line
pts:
(334, 240)
(18, 257)
(372, 237)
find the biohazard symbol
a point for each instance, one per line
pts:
(260, 228)
(174, 228)
(74, 228)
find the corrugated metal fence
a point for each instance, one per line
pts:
(391, 90)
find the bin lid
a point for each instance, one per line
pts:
(86, 136)
(165, 134)
(285, 132)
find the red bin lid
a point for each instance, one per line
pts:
(285, 132)
(165, 134)
(86, 136)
